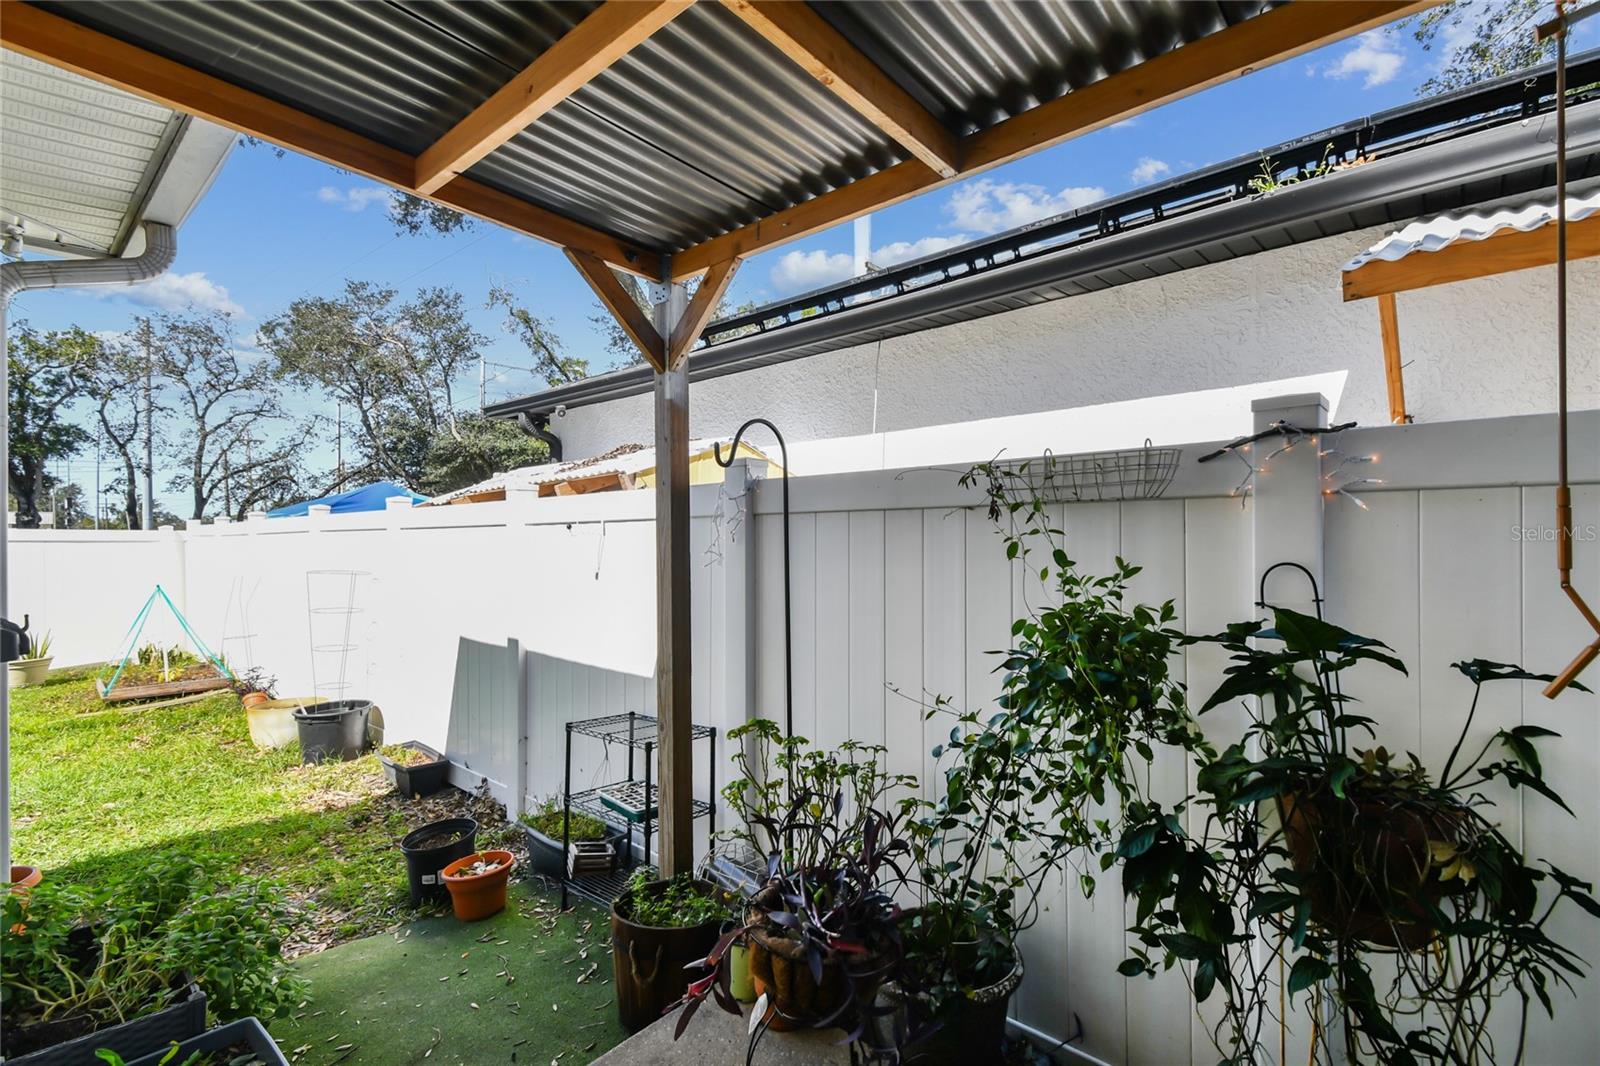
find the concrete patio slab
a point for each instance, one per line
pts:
(717, 1038)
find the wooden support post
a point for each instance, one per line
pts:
(1389, 324)
(673, 709)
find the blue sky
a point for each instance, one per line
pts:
(273, 229)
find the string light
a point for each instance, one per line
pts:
(1337, 476)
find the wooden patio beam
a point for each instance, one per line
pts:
(1506, 251)
(701, 307)
(839, 66)
(62, 43)
(610, 32)
(1271, 37)
(1393, 370)
(623, 307)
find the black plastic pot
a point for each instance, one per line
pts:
(145, 1035)
(335, 731)
(424, 863)
(547, 857)
(246, 1031)
(422, 779)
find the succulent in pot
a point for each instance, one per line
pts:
(823, 928)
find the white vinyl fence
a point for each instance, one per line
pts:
(485, 628)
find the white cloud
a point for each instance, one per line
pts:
(1376, 57)
(799, 271)
(179, 292)
(905, 251)
(988, 206)
(1148, 170)
(355, 198)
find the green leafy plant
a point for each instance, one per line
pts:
(41, 647)
(1268, 181)
(120, 949)
(1298, 849)
(547, 819)
(822, 924)
(1087, 695)
(253, 679)
(677, 903)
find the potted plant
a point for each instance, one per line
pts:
(1037, 784)
(132, 964)
(659, 928)
(543, 826)
(1310, 848)
(413, 768)
(223, 1040)
(254, 686)
(32, 670)
(477, 883)
(821, 928)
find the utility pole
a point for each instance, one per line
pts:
(338, 447)
(97, 497)
(149, 430)
(483, 382)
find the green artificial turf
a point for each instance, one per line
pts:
(97, 786)
(447, 993)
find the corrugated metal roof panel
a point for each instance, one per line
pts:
(78, 155)
(1436, 234)
(979, 64)
(399, 72)
(719, 128)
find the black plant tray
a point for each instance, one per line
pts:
(246, 1031)
(423, 779)
(145, 1035)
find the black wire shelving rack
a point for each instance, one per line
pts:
(630, 804)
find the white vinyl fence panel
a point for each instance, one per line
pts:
(486, 628)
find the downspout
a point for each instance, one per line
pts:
(538, 425)
(160, 247)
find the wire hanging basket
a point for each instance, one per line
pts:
(1126, 474)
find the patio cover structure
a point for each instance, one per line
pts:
(669, 140)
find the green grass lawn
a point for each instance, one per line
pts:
(97, 785)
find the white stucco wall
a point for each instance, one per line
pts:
(1474, 350)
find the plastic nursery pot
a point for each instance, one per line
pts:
(549, 859)
(475, 896)
(971, 1027)
(419, 778)
(430, 849)
(246, 1031)
(335, 731)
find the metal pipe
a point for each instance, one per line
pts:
(1558, 29)
(160, 248)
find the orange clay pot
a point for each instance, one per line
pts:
(477, 896)
(22, 879)
(254, 699)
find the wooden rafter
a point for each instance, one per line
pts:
(60, 42)
(623, 307)
(1504, 252)
(1281, 33)
(824, 53)
(610, 32)
(701, 307)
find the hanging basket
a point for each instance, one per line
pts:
(1128, 474)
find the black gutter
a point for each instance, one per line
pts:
(1433, 155)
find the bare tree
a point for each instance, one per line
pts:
(224, 401)
(109, 375)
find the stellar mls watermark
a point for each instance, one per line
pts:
(1547, 533)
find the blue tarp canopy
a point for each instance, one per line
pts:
(371, 497)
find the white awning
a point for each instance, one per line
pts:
(1436, 234)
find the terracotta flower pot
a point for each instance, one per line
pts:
(477, 896)
(254, 699)
(778, 970)
(22, 879)
(1375, 879)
